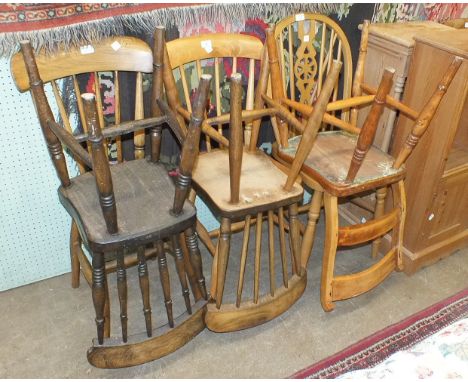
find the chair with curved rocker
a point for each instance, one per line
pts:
(128, 210)
(342, 164)
(244, 187)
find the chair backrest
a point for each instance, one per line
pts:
(220, 55)
(307, 45)
(71, 63)
(102, 66)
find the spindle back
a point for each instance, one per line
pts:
(103, 65)
(220, 55)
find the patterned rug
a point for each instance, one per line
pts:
(378, 347)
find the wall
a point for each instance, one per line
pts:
(34, 227)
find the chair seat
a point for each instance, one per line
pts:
(261, 183)
(144, 193)
(329, 160)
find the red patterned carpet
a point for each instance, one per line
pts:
(376, 348)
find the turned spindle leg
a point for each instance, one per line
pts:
(245, 245)
(271, 252)
(282, 240)
(99, 293)
(309, 234)
(295, 238)
(191, 240)
(165, 282)
(329, 253)
(378, 212)
(179, 260)
(122, 292)
(144, 288)
(223, 255)
(258, 251)
(197, 294)
(75, 246)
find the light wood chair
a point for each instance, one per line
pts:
(219, 54)
(340, 164)
(127, 210)
(307, 44)
(228, 180)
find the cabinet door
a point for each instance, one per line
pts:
(448, 214)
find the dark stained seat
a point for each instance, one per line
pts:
(144, 194)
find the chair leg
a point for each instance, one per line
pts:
(195, 257)
(144, 289)
(122, 292)
(180, 266)
(399, 199)
(295, 238)
(107, 317)
(99, 293)
(223, 255)
(309, 234)
(165, 282)
(190, 272)
(75, 244)
(379, 211)
(331, 243)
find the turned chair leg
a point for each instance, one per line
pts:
(222, 261)
(99, 293)
(122, 292)
(75, 244)
(309, 234)
(295, 238)
(381, 194)
(399, 199)
(331, 243)
(191, 240)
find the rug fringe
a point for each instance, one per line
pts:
(88, 32)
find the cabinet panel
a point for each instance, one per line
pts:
(448, 214)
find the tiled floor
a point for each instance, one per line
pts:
(46, 327)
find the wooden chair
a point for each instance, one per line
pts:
(228, 181)
(307, 43)
(340, 164)
(127, 210)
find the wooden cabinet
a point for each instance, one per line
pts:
(391, 45)
(437, 171)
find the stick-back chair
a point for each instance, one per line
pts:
(307, 44)
(243, 187)
(125, 210)
(340, 164)
(219, 54)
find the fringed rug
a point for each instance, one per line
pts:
(50, 24)
(378, 347)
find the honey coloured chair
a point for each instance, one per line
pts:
(243, 187)
(340, 164)
(128, 210)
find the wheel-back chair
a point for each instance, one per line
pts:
(129, 210)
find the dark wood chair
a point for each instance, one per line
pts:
(343, 164)
(243, 187)
(128, 210)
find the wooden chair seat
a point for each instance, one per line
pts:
(143, 192)
(331, 154)
(261, 186)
